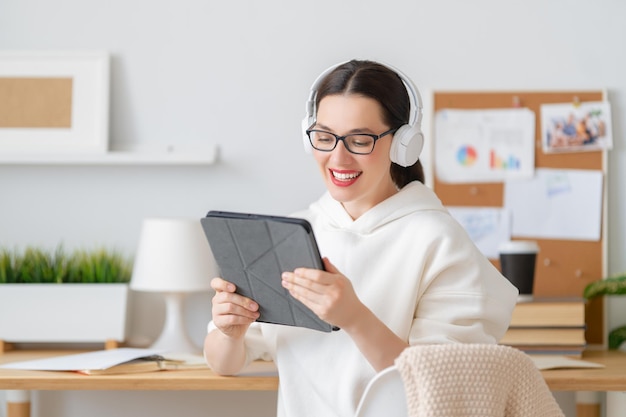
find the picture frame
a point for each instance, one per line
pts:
(54, 102)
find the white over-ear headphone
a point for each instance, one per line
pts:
(408, 140)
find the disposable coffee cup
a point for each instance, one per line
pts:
(517, 263)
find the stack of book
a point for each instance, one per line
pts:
(548, 326)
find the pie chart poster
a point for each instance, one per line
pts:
(484, 145)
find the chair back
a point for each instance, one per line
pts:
(460, 380)
(384, 396)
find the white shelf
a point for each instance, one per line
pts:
(200, 156)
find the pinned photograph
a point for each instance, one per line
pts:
(574, 127)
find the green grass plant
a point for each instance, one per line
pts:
(37, 265)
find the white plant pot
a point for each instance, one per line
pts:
(615, 307)
(616, 311)
(72, 313)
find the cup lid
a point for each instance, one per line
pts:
(519, 246)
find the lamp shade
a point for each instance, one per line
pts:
(173, 255)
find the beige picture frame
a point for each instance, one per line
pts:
(54, 102)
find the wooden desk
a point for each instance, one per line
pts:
(259, 377)
(610, 378)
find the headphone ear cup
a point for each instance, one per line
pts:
(406, 146)
(305, 138)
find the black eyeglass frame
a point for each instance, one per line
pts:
(343, 139)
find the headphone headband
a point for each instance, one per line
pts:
(415, 99)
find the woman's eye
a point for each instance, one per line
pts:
(360, 141)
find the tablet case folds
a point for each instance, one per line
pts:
(253, 250)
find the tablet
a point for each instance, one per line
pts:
(253, 250)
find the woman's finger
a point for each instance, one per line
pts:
(219, 284)
(231, 309)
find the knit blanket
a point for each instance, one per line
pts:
(474, 380)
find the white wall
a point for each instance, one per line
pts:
(237, 74)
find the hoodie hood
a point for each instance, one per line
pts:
(414, 197)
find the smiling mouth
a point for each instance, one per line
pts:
(345, 176)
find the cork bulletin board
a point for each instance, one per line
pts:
(564, 267)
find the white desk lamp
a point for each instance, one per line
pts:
(174, 258)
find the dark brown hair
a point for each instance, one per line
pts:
(376, 81)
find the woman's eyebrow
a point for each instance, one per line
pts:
(321, 126)
(361, 130)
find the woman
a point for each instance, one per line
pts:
(399, 270)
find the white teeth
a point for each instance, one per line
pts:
(344, 177)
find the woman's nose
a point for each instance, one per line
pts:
(341, 152)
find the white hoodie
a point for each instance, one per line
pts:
(415, 268)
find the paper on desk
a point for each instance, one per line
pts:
(101, 359)
(544, 362)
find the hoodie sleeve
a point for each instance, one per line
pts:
(462, 297)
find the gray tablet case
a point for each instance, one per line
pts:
(253, 250)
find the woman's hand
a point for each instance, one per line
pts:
(329, 294)
(232, 313)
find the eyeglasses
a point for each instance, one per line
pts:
(356, 143)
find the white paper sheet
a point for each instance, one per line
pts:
(101, 359)
(484, 145)
(561, 362)
(486, 226)
(556, 204)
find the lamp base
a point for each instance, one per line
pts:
(174, 337)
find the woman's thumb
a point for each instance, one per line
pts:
(329, 267)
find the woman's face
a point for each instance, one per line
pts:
(359, 182)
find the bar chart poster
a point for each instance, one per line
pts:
(490, 145)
